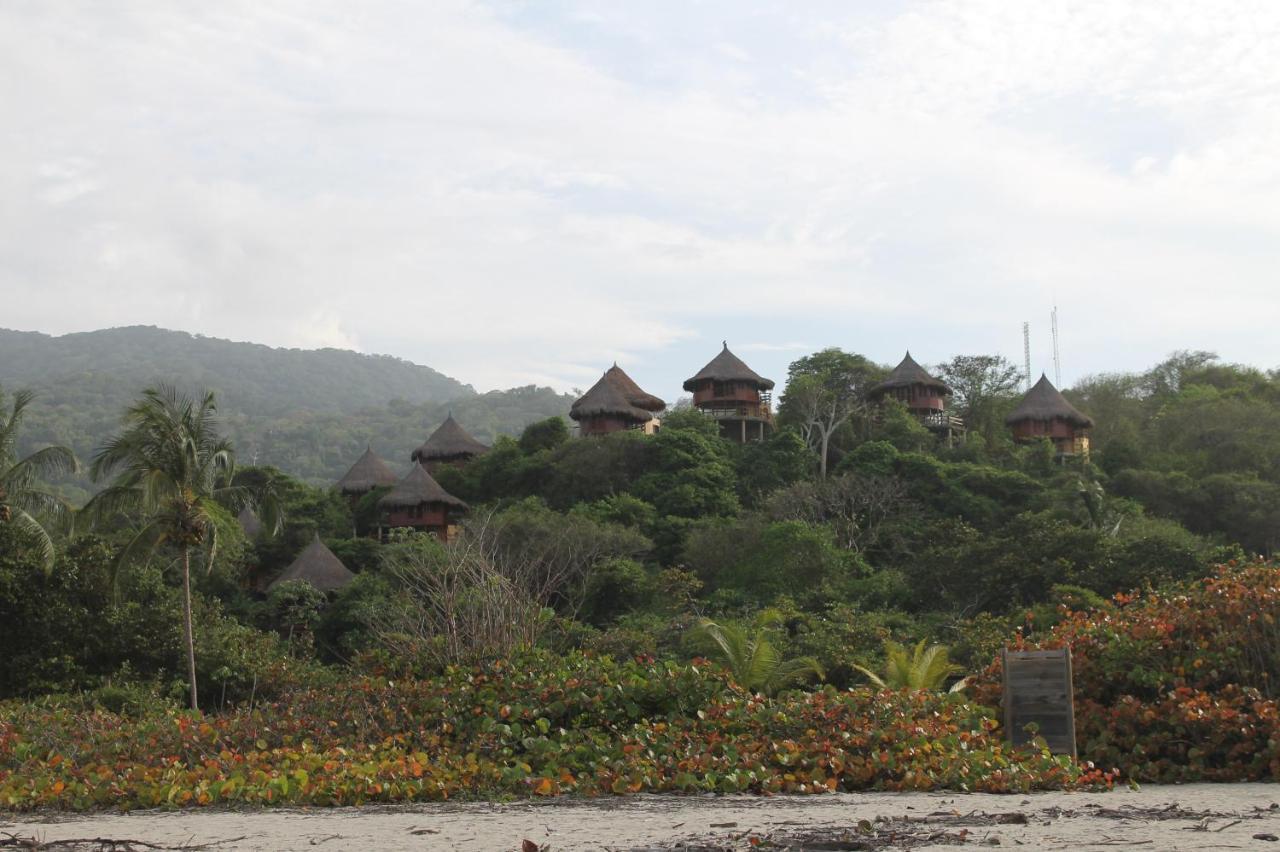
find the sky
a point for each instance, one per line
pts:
(526, 192)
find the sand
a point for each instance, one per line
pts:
(1201, 818)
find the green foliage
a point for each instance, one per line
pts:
(23, 502)
(621, 509)
(688, 472)
(544, 435)
(346, 627)
(873, 458)
(621, 544)
(615, 586)
(752, 659)
(984, 388)
(295, 605)
(66, 631)
(826, 393)
(757, 562)
(171, 466)
(897, 426)
(762, 467)
(927, 668)
(537, 726)
(1178, 684)
(308, 412)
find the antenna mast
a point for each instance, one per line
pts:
(1026, 355)
(1057, 360)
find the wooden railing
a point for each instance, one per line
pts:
(942, 420)
(739, 412)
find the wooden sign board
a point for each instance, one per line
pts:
(1037, 688)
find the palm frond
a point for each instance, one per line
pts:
(112, 502)
(875, 679)
(138, 550)
(39, 536)
(796, 670)
(762, 661)
(49, 508)
(50, 461)
(924, 667)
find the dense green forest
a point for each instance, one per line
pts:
(310, 412)
(625, 558)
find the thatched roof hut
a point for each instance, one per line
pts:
(606, 399)
(907, 374)
(369, 472)
(249, 522)
(318, 566)
(727, 367)
(635, 395)
(416, 488)
(1044, 402)
(449, 442)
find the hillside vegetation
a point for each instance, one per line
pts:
(310, 412)
(667, 612)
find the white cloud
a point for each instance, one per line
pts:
(511, 198)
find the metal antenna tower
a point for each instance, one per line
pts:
(1057, 360)
(1026, 355)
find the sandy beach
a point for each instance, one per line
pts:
(1199, 816)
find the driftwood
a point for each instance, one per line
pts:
(103, 844)
(944, 828)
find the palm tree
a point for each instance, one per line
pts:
(22, 502)
(752, 660)
(170, 467)
(918, 668)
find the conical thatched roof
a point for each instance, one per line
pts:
(1044, 402)
(449, 441)
(367, 473)
(318, 566)
(249, 522)
(606, 399)
(632, 391)
(727, 367)
(910, 373)
(418, 487)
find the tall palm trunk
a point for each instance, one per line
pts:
(186, 618)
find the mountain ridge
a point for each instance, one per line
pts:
(303, 410)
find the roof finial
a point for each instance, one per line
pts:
(726, 343)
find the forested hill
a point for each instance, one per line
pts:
(255, 379)
(309, 412)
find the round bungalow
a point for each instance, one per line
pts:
(735, 395)
(419, 501)
(605, 408)
(1045, 413)
(369, 472)
(449, 444)
(317, 565)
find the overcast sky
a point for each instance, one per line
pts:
(524, 192)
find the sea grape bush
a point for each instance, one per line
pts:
(546, 726)
(1179, 684)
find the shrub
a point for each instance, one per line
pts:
(542, 725)
(1178, 684)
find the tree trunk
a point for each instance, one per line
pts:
(186, 618)
(826, 441)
